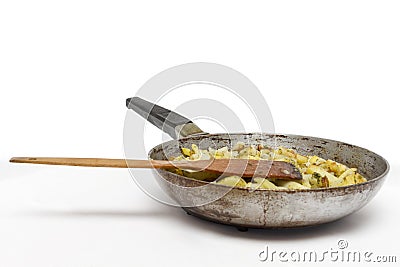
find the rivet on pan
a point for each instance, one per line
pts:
(285, 171)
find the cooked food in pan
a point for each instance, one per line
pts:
(316, 172)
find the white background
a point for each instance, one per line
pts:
(327, 68)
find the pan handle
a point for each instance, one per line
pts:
(168, 121)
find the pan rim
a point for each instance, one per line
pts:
(288, 191)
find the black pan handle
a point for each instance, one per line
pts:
(168, 121)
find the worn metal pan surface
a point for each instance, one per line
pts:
(261, 208)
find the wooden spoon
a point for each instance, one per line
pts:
(240, 167)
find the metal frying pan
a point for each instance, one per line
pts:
(261, 208)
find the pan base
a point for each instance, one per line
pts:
(245, 228)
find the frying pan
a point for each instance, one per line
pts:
(260, 208)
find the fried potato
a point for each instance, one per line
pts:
(316, 171)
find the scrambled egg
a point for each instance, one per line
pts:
(317, 172)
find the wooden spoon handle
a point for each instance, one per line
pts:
(95, 162)
(246, 168)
